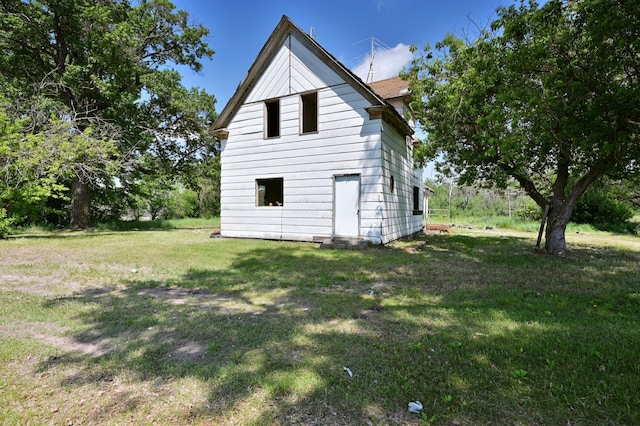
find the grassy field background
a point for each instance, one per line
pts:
(161, 324)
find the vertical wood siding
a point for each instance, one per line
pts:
(293, 69)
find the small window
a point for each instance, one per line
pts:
(272, 121)
(309, 112)
(392, 184)
(416, 200)
(269, 192)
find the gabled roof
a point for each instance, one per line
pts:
(280, 33)
(391, 88)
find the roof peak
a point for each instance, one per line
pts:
(285, 28)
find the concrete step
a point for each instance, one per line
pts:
(344, 243)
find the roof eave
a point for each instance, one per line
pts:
(282, 30)
(245, 86)
(405, 98)
(389, 113)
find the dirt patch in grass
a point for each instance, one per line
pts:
(229, 303)
(189, 351)
(38, 285)
(52, 334)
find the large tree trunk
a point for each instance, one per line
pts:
(555, 242)
(562, 207)
(80, 205)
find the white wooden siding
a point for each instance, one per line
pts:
(397, 161)
(274, 83)
(293, 69)
(347, 142)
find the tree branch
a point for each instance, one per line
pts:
(526, 184)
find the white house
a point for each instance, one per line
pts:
(309, 152)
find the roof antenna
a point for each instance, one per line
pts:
(373, 55)
(312, 34)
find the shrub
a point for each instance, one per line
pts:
(600, 208)
(182, 203)
(5, 224)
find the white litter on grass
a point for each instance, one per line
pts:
(348, 371)
(415, 406)
(134, 271)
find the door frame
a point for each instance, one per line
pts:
(335, 193)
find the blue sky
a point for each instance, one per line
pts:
(239, 29)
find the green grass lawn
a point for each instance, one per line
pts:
(164, 325)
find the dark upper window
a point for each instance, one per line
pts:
(270, 192)
(272, 121)
(416, 200)
(309, 112)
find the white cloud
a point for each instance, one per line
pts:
(387, 62)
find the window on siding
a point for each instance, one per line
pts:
(272, 121)
(270, 192)
(392, 184)
(416, 200)
(309, 112)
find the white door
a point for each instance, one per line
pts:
(347, 206)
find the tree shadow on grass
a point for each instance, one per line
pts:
(477, 328)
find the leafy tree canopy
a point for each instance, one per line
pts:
(549, 96)
(103, 68)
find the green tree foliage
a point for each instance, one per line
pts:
(108, 65)
(208, 185)
(548, 97)
(162, 199)
(182, 203)
(602, 204)
(5, 224)
(36, 159)
(473, 201)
